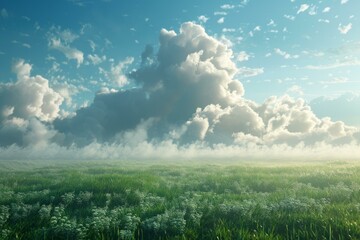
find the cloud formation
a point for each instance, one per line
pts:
(189, 93)
(191, 70)
(187, 98)
(303, 8)
(60, 40)
(26, 106)
(344, 29)
(284, 54)
(70, 53)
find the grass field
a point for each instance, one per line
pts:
(168, 200)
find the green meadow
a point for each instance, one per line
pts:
(172, 200)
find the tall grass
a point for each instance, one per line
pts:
(179, 201)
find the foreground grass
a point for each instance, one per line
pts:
(127, 200)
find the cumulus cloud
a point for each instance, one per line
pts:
(25, 106)
(278, 121)
(187, 100)
(191, 70)
(30, 95)
(188, 94)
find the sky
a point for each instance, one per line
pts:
(118, 79)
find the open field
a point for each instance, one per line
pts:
(168, 200)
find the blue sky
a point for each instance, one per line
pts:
(309, 50)
(278, 38)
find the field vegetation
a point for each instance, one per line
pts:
(169, 200)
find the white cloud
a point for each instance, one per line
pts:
(95, 59)
(61, 39)
(244, 2)
(105, 90)
(173, 99)
(344, 29)
(117, 72)
(24, 105)
(33, 95)
(257, 29)
(271, 23)
(290, 17)
(284, 54)
(221, 20)
(313, 10)
(303, 8)
(227, 6)
(295, 89)
(188, 101)
(277, 121)
(66, 35)
(242, 56)
(324, 20)
(226, 41)
(67, 90)
(70, 53)
(226, 30)
(344, 1)
(203, 19)
(171, 89)
(326, 10)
